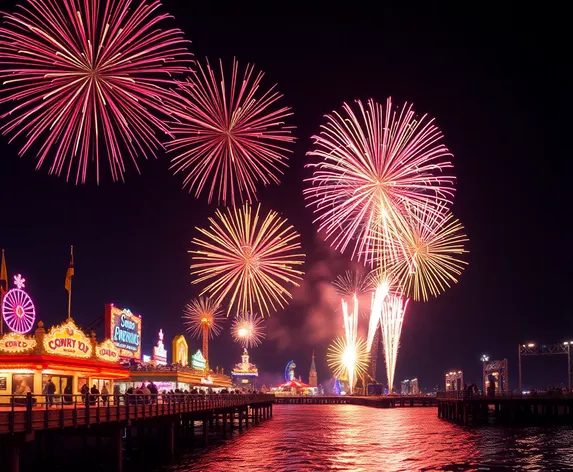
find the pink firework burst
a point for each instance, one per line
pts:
(374, 161)
(229, 135)
(82, 73)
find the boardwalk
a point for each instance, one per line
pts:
(392, 401)
(23, 418)
(511, 409)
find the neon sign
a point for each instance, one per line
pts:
(198, 361)
(180, 350)
(107, 351)
(159, 352)
(124, 329)
(15, 343)
(68, 340)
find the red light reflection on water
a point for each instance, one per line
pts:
(355, 438)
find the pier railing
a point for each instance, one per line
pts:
(26, 413)
(466, 395)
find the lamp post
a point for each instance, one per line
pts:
(484, 359)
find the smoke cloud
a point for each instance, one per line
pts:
(315, 305)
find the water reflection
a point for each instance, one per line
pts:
(354, 438)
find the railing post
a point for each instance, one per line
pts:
(12, 417)
(62, 413)
(126, 404)
(98, 413)
(29, 404)
(46, 411)
(87, 409)
(75, 411)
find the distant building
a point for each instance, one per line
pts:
(414, 387)
(245, 374)
(454, 381)
(409, 387)
(312, 375)
(495, 377)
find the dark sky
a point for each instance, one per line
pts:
(495, 80)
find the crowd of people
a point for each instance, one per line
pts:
(145, 393)
(150, 394)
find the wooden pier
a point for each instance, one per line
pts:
(30, 418)
(389, 401)
(467, 409)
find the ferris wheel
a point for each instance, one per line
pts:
(288, 370)
(18, 308)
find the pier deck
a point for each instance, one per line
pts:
(465, 409)
(29, 418)
(24, 419)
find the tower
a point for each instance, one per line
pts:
(374, 356)
(312, 377)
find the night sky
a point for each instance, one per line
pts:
(495, 82)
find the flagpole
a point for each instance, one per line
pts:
(1, 311)
(70, 290)
(3, 294)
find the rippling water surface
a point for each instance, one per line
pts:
(356, 438)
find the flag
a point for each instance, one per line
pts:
(3, 274)
(70, 272)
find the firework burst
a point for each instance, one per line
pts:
(248, 260)
(373, 162)
(248, 330)
(352, 283)
(203, 318)
(83, 73)
(203, 314)
(229, 135)
(347, 361)
(431, 260)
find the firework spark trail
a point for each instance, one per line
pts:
(392, 318)
(431, 260)
(87, 71)
(350, 319)
(248, 330)
(230, 138)
(248, 259)
(378, 298)
(372, 163)
(351, 332)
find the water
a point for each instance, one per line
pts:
(355, 438)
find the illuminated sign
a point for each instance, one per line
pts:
(198, 361)
(159, 352)
(207, 381)
(180, 350)
(16, 343)
(107, 351)
(124, 330)
(67, 340)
